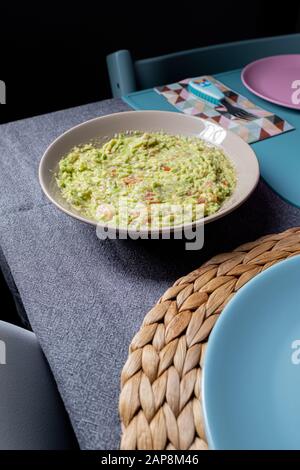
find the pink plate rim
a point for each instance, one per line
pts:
(257, 93)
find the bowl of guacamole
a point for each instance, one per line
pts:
(148, 170)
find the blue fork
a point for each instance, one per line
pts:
(207, 91)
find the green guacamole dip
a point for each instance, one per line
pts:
(145, 170)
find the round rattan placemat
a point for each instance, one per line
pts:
(160, 400)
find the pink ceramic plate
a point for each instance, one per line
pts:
(275, 79)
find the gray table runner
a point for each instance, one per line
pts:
(86, 298)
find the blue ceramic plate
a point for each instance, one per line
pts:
(251, 380)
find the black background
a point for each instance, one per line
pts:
(52, 55)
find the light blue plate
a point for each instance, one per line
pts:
(251, 380)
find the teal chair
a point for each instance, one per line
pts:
(127, 75)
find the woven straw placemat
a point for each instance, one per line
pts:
(160, 400)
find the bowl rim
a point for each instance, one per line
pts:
(119, 230)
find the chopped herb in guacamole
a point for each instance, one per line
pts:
(145, 169)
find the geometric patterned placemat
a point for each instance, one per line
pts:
(266, 125)
(160, 400)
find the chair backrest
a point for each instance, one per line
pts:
(127, 76)
(32, 415)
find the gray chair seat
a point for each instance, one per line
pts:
(32, 415)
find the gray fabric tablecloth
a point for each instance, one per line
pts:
(86, 298)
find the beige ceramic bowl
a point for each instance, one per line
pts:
(239, 153)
